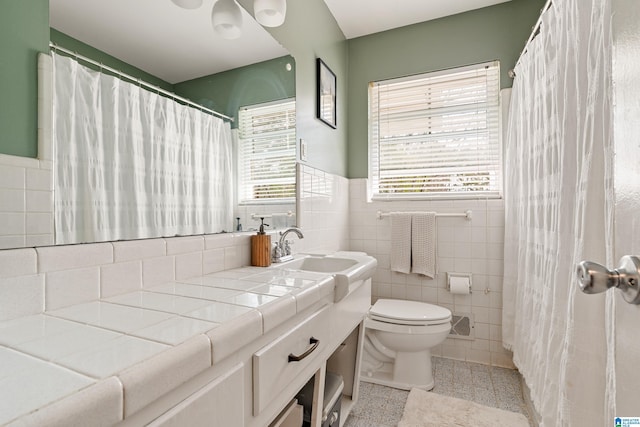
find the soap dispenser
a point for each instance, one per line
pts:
(261, 247)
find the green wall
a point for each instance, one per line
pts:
(84, 49)
(496, 32)
(254, 84)
(309, 32)
(24, 31)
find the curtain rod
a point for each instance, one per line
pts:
(140, 82)
(466, 214)
(534, 32)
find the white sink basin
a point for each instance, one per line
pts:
(322, 264)
(349, 269)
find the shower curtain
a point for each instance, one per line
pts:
(130, 163)
(558, 185)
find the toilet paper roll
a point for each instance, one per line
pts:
(459, 285)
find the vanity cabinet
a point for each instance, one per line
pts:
(214, 405)
(254, 385)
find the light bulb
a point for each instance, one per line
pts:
(270, 13)
(226, 18)
(188, 4)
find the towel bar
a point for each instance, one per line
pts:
(467, 214)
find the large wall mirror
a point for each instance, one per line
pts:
(172, 44)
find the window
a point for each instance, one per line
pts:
(267, 152)
(436, 135)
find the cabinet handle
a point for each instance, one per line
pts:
(314, 344)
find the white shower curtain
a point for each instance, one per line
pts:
(558, 212)
(130, 163)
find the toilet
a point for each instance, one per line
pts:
(399, 336)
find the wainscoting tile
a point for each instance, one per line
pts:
(69, 287)
(157, 271)
(57, 258)
(181, 245)
(120, 278)
(21, 296)
(18, 262)
(139, 249)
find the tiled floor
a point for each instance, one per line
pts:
(380, 406)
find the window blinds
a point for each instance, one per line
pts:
(436, 134)
(267, 152)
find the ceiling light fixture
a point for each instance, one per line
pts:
(226, 18)
(188, 4)
(270, 13)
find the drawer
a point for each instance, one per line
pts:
(273, 368)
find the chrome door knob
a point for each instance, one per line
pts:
(594, 278)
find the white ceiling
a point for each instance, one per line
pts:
(176, 44)
(161, 38)
(361, 17)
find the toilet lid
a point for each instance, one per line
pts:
(408, 312)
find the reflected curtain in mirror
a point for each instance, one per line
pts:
(130, 163)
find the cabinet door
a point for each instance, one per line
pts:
(218, 404)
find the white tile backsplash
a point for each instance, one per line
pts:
(334, 214)
(182, 245)
(188, 265)
(120, 278)
(56, 258)
(156, 271)
(69, 287)
(139, 249)
(21, 296)
(18, 262)
(323, 203)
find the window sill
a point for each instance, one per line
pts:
(416, 197)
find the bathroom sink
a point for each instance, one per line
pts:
(349, 269)
(323, 264)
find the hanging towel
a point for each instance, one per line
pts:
(423, 244)
(400, 242)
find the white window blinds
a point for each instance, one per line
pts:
(436, 134)
(267, 152)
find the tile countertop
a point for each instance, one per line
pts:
(79, 360)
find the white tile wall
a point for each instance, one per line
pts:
(26, 202)
(463, 246)
(334, 215)
(54, 277)
(323, 206)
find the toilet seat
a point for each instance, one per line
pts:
(410, 313)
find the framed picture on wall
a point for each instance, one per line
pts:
(326, 93)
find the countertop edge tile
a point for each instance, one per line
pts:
(145, 382)
(229, 337)
(98, 405)
(277, 312)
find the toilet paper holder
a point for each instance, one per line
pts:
(456, 276)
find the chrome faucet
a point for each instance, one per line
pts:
(282, 250)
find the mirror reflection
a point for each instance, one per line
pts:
(251, 177)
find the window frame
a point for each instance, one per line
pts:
(497, 166)
(240, 160)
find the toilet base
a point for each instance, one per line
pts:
(407, 371)
(386, 379)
